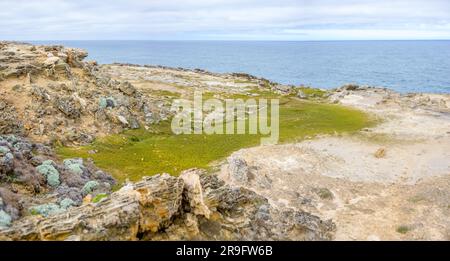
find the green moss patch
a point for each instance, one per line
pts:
(138, 153)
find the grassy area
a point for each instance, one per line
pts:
(312, 92)
(138, 153)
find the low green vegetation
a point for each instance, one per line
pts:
(136, 153)
(312, 92)
(403, 229)
(166, 93)
(99, 197)
(324, 193)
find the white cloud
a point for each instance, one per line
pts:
(225, 19)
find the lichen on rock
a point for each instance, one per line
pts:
(90, 186)
(5, 219)
(50, 173)
(75, 166)
(46, 210)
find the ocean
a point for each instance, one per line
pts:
(405, 66)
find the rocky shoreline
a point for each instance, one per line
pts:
(365, 186)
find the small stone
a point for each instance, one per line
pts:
(380, 153)
(127, 88)
(122, 120)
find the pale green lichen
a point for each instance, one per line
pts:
(66, 203)
(75, 166)
(103, 103)
(5, 219)
(4, 150)
(48, 162)
(50, 173)
(90, 186)
(46, 210)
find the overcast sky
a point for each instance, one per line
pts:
(224, 19)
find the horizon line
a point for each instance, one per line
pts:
(229, 40)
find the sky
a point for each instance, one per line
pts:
(294, 20)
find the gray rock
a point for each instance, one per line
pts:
(238, 169)
(69, 106)
(164, 207)
(72, 193)
(6, 163)
(134, 123)
(127, 88)
(103, 177)
(9, 120)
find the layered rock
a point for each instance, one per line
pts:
(194, 206)
(50, 94)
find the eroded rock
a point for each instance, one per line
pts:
(194, 206)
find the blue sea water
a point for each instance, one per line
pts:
(405, 66)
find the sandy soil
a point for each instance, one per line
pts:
(390, 182)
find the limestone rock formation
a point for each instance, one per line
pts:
(49, 93)
(195, 206)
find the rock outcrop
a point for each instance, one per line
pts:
(195, 206)
(50, 94)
